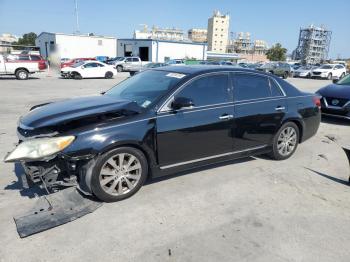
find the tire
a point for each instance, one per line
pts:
(285, 75)
(342, 75)
(308, 76)
(77, 76)
(132, 73)
(22, 74)
(119, 68)
(108, 74)
(277, 146)
(119, 182)
(329, 77)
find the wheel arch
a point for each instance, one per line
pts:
(299, 123)
(21, 68)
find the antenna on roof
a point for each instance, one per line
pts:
(77, 31)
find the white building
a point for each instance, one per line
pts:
(161, 50)
(218, 29)
(172, 34)
(5, 41)
(75, 46)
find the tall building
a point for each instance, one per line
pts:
(173, 34)
(198, 35)
(218, 29)
(313, 45)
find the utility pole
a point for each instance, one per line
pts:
(77, 31)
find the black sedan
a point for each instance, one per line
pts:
(159, 122)
(335, 100)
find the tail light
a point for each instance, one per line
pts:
(317, 101)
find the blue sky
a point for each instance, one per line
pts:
(270, 20)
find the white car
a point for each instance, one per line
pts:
(304, 71)
(88, 69)
(329, 71)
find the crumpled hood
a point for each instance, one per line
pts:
(335, 91)
(73, 109)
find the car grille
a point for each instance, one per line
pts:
(316, 73)
(332, 101)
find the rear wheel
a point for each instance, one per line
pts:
(285, 75)
(108, 74)
(119, 174)
(22, 74)
(285, 141)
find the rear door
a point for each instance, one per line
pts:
(260, 106)
(202, 131)
(2, 65)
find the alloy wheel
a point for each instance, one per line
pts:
(120, 174)
(287, 141)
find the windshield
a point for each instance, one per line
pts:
(344, 81)
(144, 88)
(326, 67)
(305, 67)
(77, 64)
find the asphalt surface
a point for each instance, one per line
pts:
(254, 209)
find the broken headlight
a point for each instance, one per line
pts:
(38, 148)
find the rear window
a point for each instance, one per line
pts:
(247, 87)
(275, 90)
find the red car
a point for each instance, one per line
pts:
(75, 60)
(29, 58)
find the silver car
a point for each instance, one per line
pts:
(304, 71)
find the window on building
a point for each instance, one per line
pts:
(100, 42)
(207, 90)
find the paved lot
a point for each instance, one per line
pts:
(249, 210)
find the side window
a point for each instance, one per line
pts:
(135, 59)
(23, 58)
(207, 90)
(248, 86)
(275, 90)
(35, 58)
(128, 60)
(90, 65)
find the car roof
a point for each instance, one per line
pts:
(199, 69)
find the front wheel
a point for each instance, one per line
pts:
(342, 75)
(329, 77)
(285, 75)
(118, 174)
(119, 68)
(285, 141)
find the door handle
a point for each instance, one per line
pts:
(225, 117)
(280, 108)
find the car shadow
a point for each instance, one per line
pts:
(335, 121)
(334, 179)
(199, 169)
(14, 78)
(22, 186)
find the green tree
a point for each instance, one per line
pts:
(277, 53)
(27, 39)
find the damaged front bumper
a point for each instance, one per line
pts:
(60, 172)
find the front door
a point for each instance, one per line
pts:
(202, 131)
(260, 106)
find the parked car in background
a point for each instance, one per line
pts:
(281, 69)
(175, 62)
(329, 71)
(336, 98)
(304, 71)
(129, 64)
(88, 69)
(74, 61)
(149, 66)
(42, 63)
(111, 61)
(160, 122)
(21, 66)
(102, 59)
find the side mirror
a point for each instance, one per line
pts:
(335, 81)
(182, 102)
